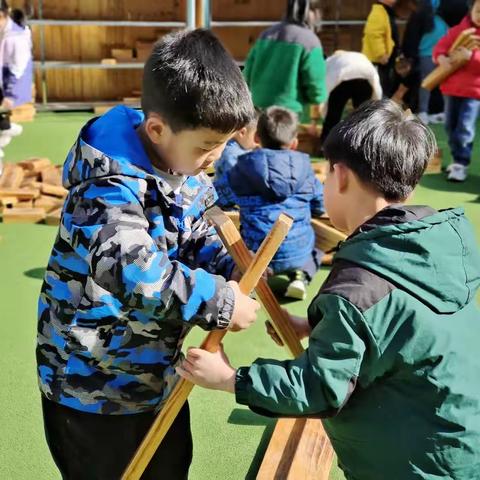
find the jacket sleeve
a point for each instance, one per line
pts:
(375, 33)
(445, 43)
(317, 205)
(321, 380)
(106, 225)
(208, 251)
(313, 76)
(226, 196)
(248, 68)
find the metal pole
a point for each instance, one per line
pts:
(191, 14)
(207, 12)
(43, 73)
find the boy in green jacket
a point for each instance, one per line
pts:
(393, 359)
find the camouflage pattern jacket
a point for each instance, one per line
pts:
(133, 268)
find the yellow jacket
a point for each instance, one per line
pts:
(377, 35)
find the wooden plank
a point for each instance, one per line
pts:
(48, 203)
(52, 175)
(321, 170)
(23, 215)
(435, 164)
(53, 217)
(183, 388)
(299, 449)
(234, 216)
(20, 193)
(25, 204)
(54, 190)
(12, 176)
(8, 202)
(35, 165)
(327, 237)
(122, 54)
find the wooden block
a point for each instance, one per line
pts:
(109, 61)
(54, 217)
(48, 203)
(131, 100)
(31, 182)
(234, 216)
(435, 164)
(12, 176)
(8, 202)
(35, 165)
(122, 54)
(55, 190)
(23, 215)
(143, 49)
(20, 193)
(299, 449)
(25, 204)
(101, 109)
(326, 237)
(52, 175)
(23, 113)
(321, 169)
(136, 93)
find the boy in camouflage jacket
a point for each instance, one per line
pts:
(135, 265)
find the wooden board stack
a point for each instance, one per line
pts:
(23, 113)
(31, 191)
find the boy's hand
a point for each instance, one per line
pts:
(244, 311)
(460, 55)
(443, 61)
(209, 370)
(299, 324)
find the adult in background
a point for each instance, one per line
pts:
(286, 65)
(350, 76)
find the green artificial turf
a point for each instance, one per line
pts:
(229, 440)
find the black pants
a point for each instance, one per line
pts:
(88, 446)
(358, 90)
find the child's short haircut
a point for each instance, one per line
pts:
(385, 146)
(277, 128)
(192, 82)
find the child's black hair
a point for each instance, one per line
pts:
(386, 147)
(277, 128)
(4, 7)
(192, 82)
(19, 17)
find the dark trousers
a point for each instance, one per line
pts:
(461, 119)
(87, 446)
(358, 90)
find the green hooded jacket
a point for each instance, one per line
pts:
(393, 363)
(286, 67)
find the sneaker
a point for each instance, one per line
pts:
(424, 118)
(14, 131)
(437, 118)
(298, 287)
(4, 140)
(457, 172)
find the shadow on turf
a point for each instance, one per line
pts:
(246, 417)
(438, 182)
(36, 273)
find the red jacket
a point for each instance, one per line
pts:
(466, 81)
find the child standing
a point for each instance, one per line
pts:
(135, 266)
(380, 42)
(462, 95)
(275, 179)
(392, 363)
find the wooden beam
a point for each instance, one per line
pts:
(182, 389)
(326, 237)
(12, 176)
(23, 215)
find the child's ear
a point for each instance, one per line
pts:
(155, 128)
(341, 173)
(294, 144)
(256, 138)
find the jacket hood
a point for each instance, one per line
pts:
(431, 255)
(273, 174)
(108, 145)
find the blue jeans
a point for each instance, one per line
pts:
(461, 117)
(426, 67)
